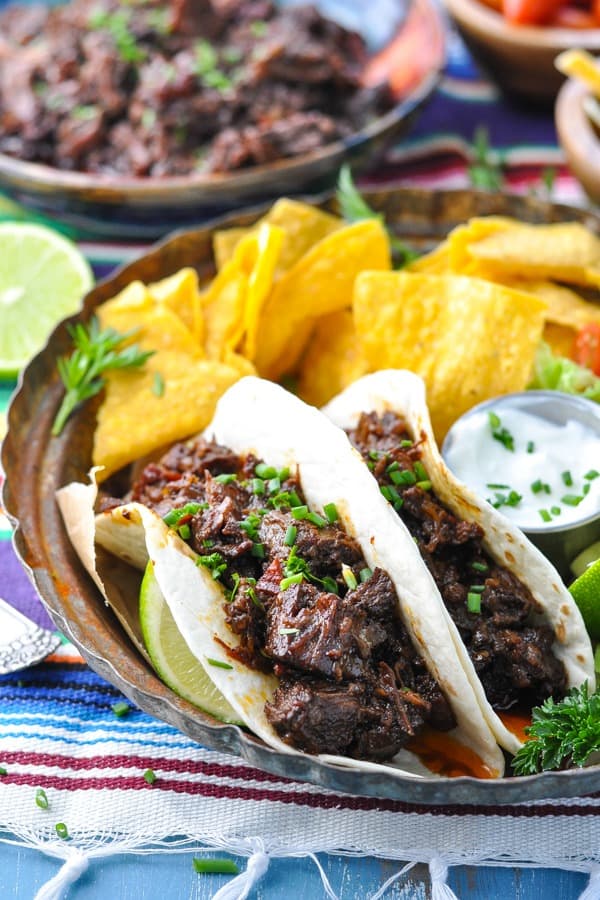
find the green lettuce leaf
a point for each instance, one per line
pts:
(557, 373)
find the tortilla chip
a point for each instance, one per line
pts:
(561, 338)
(436, 262)
(181, 293)
(565, 307)
(321, 282)
(460, 239)
(303, 227)
(566, 251)
(157, 326)
(333, 360)
(469, 339)
(135, 419)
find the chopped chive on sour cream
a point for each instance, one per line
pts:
(536, 472)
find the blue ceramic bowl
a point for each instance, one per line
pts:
(407, 43)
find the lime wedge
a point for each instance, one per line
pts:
(585, 591)
(585, 559)
(174, 662)
(43, 277)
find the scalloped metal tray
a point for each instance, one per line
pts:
(37, 464)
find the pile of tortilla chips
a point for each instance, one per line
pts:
(303, 294)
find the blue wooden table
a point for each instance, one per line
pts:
(164, 876)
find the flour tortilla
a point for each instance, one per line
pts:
(403, 392)
(256, 416)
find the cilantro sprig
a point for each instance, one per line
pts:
(354, 208)
(564, 733)
(96, 351)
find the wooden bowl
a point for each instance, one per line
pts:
(578, 137)
(520, 58)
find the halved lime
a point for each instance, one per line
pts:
(585, 590)
(585, 559)
(43, 277)
(174, 662)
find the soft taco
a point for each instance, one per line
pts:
(513, 623)
(292, 583)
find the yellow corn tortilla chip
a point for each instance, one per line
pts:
(234, 299)
(469, 339)
(582, 65)
(460, 239)
(436, 262)
(333, 359)
(157, 326)
(561, 338)
(181, 293)
(321, 282)
(303, 227)
(565, 251)
(565, 307)
(135, 418)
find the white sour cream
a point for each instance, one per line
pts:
(553, 469)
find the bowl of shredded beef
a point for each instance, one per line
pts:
(129, 119)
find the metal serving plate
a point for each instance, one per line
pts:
(36, 464)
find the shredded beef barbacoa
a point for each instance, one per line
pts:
(511, 652)
(152, 88)
(303, 602)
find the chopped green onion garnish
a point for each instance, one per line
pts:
(226, 479)
(501, 434)
(586, 488)
(393, 467)
(477, 588)
(184, 531)
(289, 631)
(41, 799)
(299, 512)
(290, 536)
(214, 562)
(571, 499)
(349, 577)
(330, 584)
(258, 550)
(218, 866)
(149, 776)
(257, 486)
(374, 455)
(546, 517)
(120, 709)
(424, 485)
(3, 771)
(530, 446)
(330, 510)
(365, 574)
(264, 471)
(474, 602)
(406, 443)
(316, 519)
(421, 471)
(218, 663)
(479, 566)
(285, 583)
(555, 510)
(274, 485)
(175, 515)
(567, 478)
(386, 491)
(283, 473)
(62, 831)
(538, 486)
(498, 487)
(403, 477)
(593, 473)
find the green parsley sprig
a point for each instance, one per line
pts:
(354, 208)
(486, 171)
(96, 352)
(561, 734)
